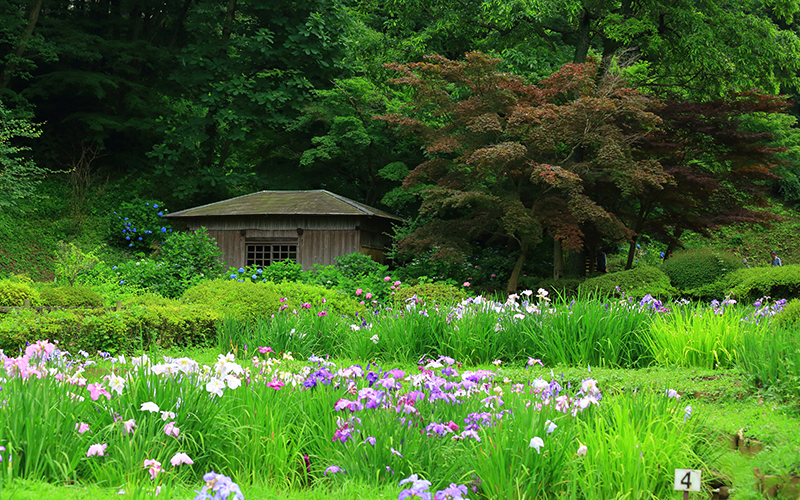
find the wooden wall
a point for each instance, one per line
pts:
(322, 238)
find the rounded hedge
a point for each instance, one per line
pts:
(698, 267)
(252, 301)
(14, 294)
(70, 296)
(430, 292)
(636, 282)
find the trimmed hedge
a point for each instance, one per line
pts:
(790, 314)
(70, 296)
(433, 292)
(251, 301)
(752, 284)
(636, 282)
(122, 331)
(14, 294)
(696, 268)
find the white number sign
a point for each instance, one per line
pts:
(687, 480)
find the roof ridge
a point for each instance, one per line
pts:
(353, 203)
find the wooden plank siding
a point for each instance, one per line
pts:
(319, 247)
(323, 238)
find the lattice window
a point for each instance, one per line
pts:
(262, 254)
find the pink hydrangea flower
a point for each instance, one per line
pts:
(359, 291)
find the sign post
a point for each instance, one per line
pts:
(687, 480)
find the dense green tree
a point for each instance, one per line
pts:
(19, 175)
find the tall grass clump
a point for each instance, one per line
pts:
(590, 331)
(772, 360)
(634, 444)
(707, 336)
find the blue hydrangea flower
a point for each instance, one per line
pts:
(254, 277)
(259, 271)
(127, 237)
(155, 206)
(233, 276)
(160, 213)
(163, 230)
(241, 269)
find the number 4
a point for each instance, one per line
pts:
(687, 480)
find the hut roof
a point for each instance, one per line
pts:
(316, 202)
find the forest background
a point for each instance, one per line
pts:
(504, 132)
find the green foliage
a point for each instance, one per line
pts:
(121, 331)
(772, 357)
(70, 296)
(636, 282)
(192, 254)
(250, 301)
(440, 293)
(14, 293)
(19, 175)
(185, 260)
(71, 262)
(790, 314)
(635, 442)
(354, 272)
(757, 282)
(320, 298)
(243, 300)
(278, 272)
(695, 268)
(138, 225)
(708, 337)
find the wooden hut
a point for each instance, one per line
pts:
(309, 227)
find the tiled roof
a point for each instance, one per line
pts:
(318, 202)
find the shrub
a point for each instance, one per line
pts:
(636, 282)
(353, 272)
(754, 283)
(138, 225)
(698, 267)
(71, 262)
(192, 254)
(239, 299)
(185, 260)
(332, 301)
(431, 292)
(790, 314)
(355, 265)
(113, 331)
(70, 296)
(13, 293)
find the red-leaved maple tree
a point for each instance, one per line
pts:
(509, 160)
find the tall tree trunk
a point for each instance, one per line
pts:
(558, 260)
(33, 18)
(583, 38)
(514, 279)
(179, 23)
(631, 253)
